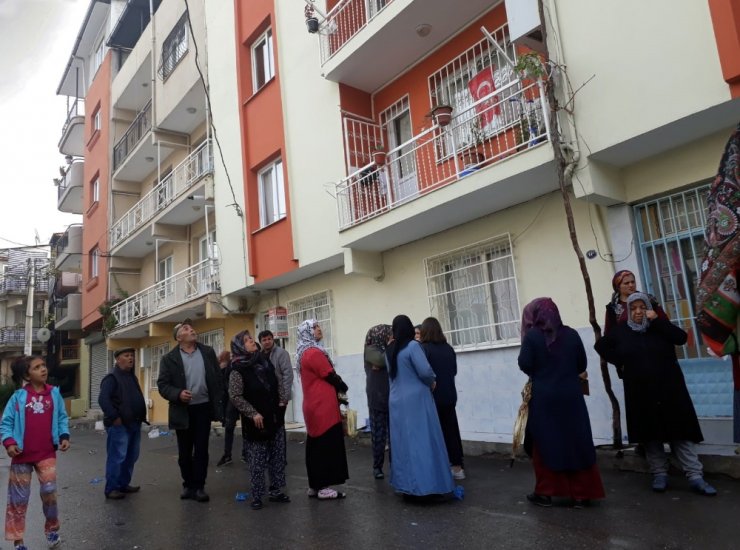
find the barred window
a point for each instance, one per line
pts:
(174, 48)
(317, 306)
(473, 293)
(213, 338)
(155, 356)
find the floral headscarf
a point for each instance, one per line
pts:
(542, 313)
(378, 336)
(639, 296)
(306, 340)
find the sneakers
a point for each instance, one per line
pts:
(378, 473)
(660, 482)
(698, 485)
(226, 459)
(540, 500)
(256, 504)
(115, 495)
(20, 547)
(458, 474)
(52, 539)
(278, 496)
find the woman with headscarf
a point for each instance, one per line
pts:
(657, 402)
(420, 466)
(558, 434)
(326, 459)
(443, 361)
(377, 388)
(253, 390)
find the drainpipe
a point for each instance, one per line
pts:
(154, 67)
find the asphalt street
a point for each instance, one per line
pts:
(493, 513)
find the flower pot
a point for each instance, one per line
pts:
(312, 23)
(379, 157)
(442, 115)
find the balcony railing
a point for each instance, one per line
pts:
(75, 108)
(344, 21)
(195, 166)
(19, 285)
(191, 283)
(70, 353)
(15, 336)
(501, 124)
(138, 129)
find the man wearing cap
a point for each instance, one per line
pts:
(189, 379)
(124, 409)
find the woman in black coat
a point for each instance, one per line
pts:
(558, 434)
(443, 361)
(657, 402)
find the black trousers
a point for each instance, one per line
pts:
(192, 447)
(451, 433)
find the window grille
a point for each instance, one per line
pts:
(213, 338)
(473, 293)
(670, 232)
(451, 85)
(316, 306)
(174, 48)
(155, 356)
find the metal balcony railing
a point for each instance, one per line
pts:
(344, 21)
(511, 119)
(61, 309)
(195, 166)
(19, 285)
(138, 129)
(70, 353)
(15, 336)
(191, 283)
(74, 109)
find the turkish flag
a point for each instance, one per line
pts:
(480, 86)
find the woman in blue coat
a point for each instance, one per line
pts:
(558, 435)
(420, 466)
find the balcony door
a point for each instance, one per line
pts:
(401, 162)
(374, 6)
(165, 284)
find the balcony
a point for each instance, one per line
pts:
(69, 249)
(173, 298)
(72, 141)
(68, 313)
(12, 284)
(125, 235)
(16, 337)
(66, 283)
(490, 151)
(70, 354)
(69, 191)
(358, 33)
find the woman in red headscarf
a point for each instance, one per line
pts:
(558, 435)
(624, 285)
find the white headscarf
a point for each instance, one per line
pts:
(644, 298)
(306, 340)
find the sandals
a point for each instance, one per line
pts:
(326, 493)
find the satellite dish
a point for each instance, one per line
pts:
(43, 334)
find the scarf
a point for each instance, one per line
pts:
(542, 313)
(306, 341)
(644, 298)
(242, 359)
(378, 336)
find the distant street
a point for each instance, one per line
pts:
(494, 513)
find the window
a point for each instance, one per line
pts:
(174, 48)
(95, 191)
(213, 338)
(96, 122)
(98, 57)
(263, 63)
(670, 231)
(165, 284)
(271, 194)
(94, 258)
(204, 243)
(317, 306)
(157, 352)
(473, 293)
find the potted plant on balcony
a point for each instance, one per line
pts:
(379, 154)
(473, 153)
(312, 22)
(442, 114)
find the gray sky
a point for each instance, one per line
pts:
(36, 38)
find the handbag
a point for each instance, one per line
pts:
(374, 356)
(349, 421)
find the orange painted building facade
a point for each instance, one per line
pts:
(726, 21)
(269, 241)
(95, 212)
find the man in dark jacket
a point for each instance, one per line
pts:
(124, 409)
(189, 379)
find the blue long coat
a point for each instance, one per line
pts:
(558, 422)
(420, 465)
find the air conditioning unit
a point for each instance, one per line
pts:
(525, 26)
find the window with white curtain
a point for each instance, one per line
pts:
(473, 293)
(263, 61)
(271, 193)
(155, 356)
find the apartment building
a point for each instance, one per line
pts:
(16, 268)
(362, 203)
(150, 247)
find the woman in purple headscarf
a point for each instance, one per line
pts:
(558, 435)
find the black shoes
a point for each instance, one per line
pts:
(256, 504)
(540, 500)
(278, 496)
(115, 495)
(378, 473)
(225, 460)
(187, 494)
(131, 489)
(201, 496)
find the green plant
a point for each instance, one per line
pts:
(106, 310)
(530, 65)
